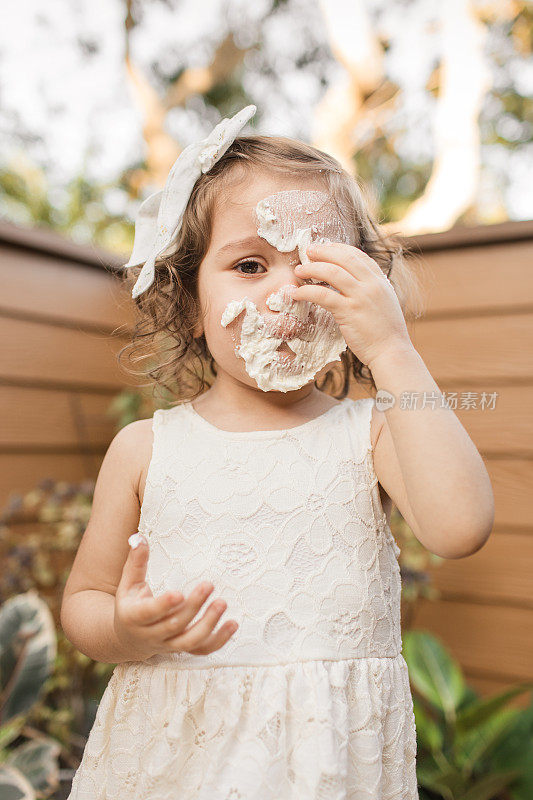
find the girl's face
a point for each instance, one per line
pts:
(254, 330)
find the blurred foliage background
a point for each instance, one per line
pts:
(430, 104)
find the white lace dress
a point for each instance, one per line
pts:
(310, 698)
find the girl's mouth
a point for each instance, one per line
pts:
(284, 348)
(287, 327)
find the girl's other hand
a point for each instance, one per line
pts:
(149, 625)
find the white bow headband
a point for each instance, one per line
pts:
(159, 217)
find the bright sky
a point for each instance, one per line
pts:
(71, 110)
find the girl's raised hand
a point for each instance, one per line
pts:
(365, 305)
(148, 625)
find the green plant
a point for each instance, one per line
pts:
(40, 532)
(133, 404)
(415, 563)
(469, 748)
(27, 652)
(129, 405)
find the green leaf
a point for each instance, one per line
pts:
(446, 781)
(481, 710)
(488, 786)
(14, 785)
(515, 751)
(470, 696)
(28, 648)
(11, 730)
(429, 734)
(477, 743)
(37, 760)
(523, 788)
(433, 673)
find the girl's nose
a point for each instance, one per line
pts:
(285, 278)
(288, 276)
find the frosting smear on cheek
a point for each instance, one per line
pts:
(307, 333)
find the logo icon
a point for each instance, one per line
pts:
(384, 400)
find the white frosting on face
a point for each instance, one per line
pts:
(295, 218)
(309, 331)
(290, 220)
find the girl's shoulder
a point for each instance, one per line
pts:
(139, 438)
(114, 512)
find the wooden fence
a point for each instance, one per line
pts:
(58, 370)
(58, 374)
(476, 336)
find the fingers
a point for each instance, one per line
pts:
(165, 618)
(199, 639)
(133, 577)
(155, 609)
(137, 601)
(190, 607)
(323, 296)
(353, 259)
(217, 639)
(159, 608)
(335, 276)
(176, 624)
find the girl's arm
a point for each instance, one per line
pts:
(427, 463)
(89, 595)
(108, 610)
(423, 454)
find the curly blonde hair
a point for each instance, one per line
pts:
(168, 311)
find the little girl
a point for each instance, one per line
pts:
(268, 492)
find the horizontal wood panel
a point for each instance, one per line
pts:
(21, 473)
(490, 687)
(464, 351)
(34, 283)
(50, 418)
(512, 484)
(471, 279)
(492, 640)
(506, 428)
(498, 573)
(33, 350)
(39, 238)
(461, 236)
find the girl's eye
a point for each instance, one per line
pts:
(245, 264)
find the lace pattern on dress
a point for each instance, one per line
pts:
(289, 528)
(310, 698)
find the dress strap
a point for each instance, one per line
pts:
(363, 409)
(358, 420)
(366, 404)
(155, 473)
